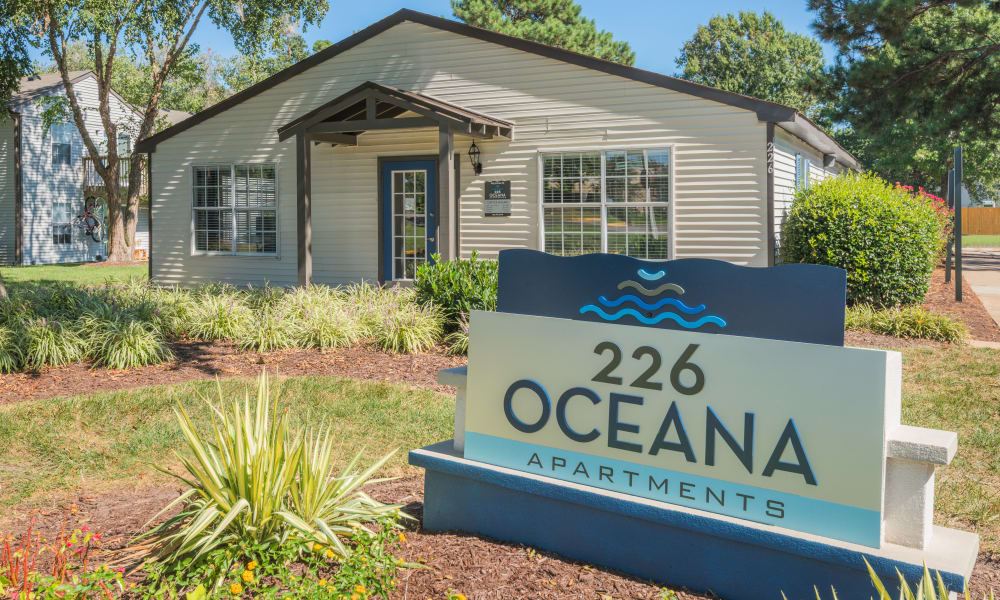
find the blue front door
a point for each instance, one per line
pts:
(409, 198)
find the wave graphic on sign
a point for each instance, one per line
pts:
(655, 319)
(684, 308)
(651, 276)
(648, 317)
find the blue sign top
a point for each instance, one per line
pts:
(796, 302)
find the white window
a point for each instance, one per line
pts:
(614, 201)
(124, 144)
(235, 209)
(802, 167)
(62, 216)
(61, 135)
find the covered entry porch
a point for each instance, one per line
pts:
(417, 213)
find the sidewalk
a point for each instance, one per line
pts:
(981, 270)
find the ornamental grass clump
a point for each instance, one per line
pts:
(50, 342)
(907, 322)
(124, 343)
(252, 481)
(410, 328)
(885, 238)
(222, 316)
(328, 329)
(11, 356)
(272, 329)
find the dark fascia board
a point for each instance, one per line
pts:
(765, 111)
(811, 133)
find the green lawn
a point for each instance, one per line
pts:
(76, 273)
(107, 440)
(981, 241)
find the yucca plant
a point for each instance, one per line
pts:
(252, 480)
(50, 343)
(127, 344)
(928, 588)
(409, 328)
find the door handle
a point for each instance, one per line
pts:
(430, 239)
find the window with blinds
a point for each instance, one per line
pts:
(614, 201)
(235, 209)
(62, 143)
(62, 216)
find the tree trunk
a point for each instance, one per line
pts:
(3, 289)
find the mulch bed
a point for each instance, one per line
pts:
(479, 567)
(204, 360)
(941, 298)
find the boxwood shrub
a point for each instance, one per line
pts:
(458, 286)
(884, 237)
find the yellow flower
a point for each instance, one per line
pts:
(360, 589)
(364, 559)
(317, 547)
(247, 576)
(460, 597)
(399, 561)
(402, 538)
(329, 553)
(251, 565)
(355, 597)
(322, 582)
(236, 589)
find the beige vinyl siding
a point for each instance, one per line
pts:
(718, 152)
(786, 147)
(7, 174)
(45, 184)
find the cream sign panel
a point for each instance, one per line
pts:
(784, 433)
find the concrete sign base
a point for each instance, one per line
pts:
(702, 551)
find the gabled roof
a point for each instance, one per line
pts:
(791, 119)
(391, 102)
(35, 86)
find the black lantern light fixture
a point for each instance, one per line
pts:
(474, 159)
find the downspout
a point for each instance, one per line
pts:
(18, 192)
(769, 210)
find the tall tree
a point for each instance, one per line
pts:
(913, 78)
(242, 71)
(158, 31)
(754, 55)
(553, 22)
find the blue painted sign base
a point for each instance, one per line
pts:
(664, 543)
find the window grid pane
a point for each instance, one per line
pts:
(235, 209)
(636, 185)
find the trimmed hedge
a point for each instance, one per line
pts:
(885, 238)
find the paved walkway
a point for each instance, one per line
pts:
(981, 269)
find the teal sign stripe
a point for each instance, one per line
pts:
(828, 519)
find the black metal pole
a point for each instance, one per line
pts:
(949, 198)
(958, 223)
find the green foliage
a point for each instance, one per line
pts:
(50, 343)
(928, 588)
(458, 286)
(242, 71)
(252, 481)
(754, 55)
(220, 316)
(410, 328)
(907, 322)
(291, 570)
(128, 344)
(886, 239)
(15, 59)
(11, 356)
(553, 22)
(912, 79)
(458, 340)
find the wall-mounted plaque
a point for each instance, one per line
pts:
(497, 198)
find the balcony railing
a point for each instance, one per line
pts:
(94, 185)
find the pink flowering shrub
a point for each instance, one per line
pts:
(944, 215)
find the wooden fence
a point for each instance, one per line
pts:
(980, 220)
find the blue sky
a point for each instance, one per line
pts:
(654, 28)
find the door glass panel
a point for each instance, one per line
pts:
(409, 209)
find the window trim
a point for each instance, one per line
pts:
(68, 223)
(603, 204)
(65, 130)
(232, 177)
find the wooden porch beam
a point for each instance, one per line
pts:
(344, 139)
(303, 172)
(371, 124)
(446, 193)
